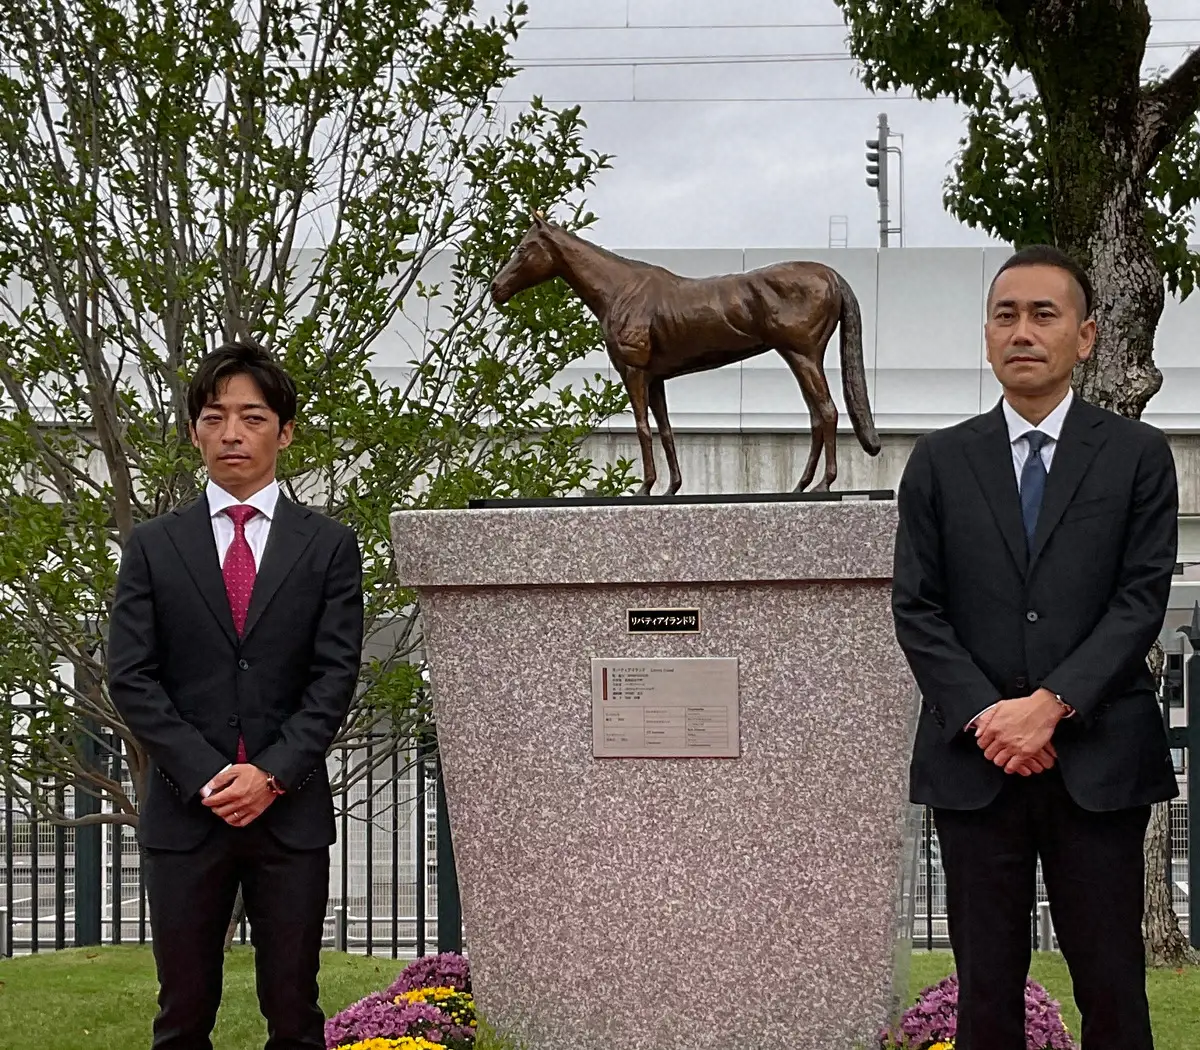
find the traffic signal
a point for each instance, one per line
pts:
(873, 162)
(878, 149)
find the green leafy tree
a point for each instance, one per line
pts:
(1068, 143)
(176, 174)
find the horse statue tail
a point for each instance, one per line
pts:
(854, 377)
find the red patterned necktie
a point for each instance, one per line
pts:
(239, 572)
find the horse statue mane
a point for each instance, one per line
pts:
(658, 325)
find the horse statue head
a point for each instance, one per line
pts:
(533, 262)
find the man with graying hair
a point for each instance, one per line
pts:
(1033, 564)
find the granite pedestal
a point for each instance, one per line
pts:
(674, 904)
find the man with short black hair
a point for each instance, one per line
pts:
(1033, 564)
(234, 648)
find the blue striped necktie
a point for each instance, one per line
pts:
(1033, 482)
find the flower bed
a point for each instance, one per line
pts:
(932, 1022)
(428, 1007)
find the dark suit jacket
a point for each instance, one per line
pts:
(187, 686)
(981, 619)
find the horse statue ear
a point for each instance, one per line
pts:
(539, 219)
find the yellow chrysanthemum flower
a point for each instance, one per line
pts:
(404, 1043)
(431, 995)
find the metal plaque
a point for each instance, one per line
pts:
(665, 708)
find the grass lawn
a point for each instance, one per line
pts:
(104, 999)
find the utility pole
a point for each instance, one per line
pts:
(877, 175)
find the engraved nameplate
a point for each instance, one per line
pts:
(663, 621)
(665, 708)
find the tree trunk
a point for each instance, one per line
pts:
(239, 910)
(1108, 237)
(1121, 374)
(1165, 942)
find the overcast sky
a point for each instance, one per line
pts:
(761, 148)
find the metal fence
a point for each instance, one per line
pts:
(393, 886)
(930, 930)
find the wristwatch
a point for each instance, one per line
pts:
(274, 786)
(1068, 710)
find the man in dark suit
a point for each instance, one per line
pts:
(1033, 563)
(234, 649)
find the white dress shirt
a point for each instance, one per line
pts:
(1018, 427)
(258, 528)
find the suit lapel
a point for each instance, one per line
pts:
(1081, 438)
(292, 530)
(190, 530)
(990, 456)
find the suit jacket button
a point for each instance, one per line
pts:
(244, 665)
(234, 722)
(1031, 616)
(1021, 682)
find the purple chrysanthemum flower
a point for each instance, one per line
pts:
(447, 970)
(378, 1017)
(934, 1019)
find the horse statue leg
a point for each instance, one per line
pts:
(829, 417)
(822, 411)
(658, 405)
(637, 386)
(815, 445)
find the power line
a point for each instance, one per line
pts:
(802, 99)
(602, 61)
(708, 27)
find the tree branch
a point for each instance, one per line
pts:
(1166, 107)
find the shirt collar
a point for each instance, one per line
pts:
(1051, 426)
(264, 500)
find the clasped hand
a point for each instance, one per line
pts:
(239, 794)
(1016, 734)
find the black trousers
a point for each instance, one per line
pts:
(1093, 868)
(191, 897)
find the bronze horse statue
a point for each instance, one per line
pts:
(658, 325)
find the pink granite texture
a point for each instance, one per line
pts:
(673, 904)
